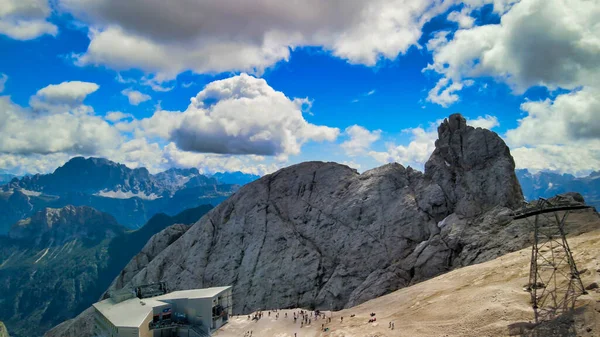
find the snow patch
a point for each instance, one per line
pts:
(41, 257)
(126, 195)
(26, 192)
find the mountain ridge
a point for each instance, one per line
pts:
(132, 196)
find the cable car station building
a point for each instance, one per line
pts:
(152, 311)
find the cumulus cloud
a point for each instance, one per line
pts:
(415, 153)
(76, 131)
(116, 116)
(538, 42)
(211, 163)
(64, 95)
(360, 140)
(444, 92)
(238, 115)
(135, 97)
(561, 134)
(463, 18)
(25, 19)
(486, 122)
(229, 35)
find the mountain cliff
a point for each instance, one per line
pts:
(58, 262)
(132, 196)
(321, 234)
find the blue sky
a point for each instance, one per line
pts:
(368, 83)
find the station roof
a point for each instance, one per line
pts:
(132, 313)
(129, 313)
(193, 293)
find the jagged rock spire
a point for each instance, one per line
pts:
(474, 168)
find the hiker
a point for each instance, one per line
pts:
(341, 319)
(393, 325)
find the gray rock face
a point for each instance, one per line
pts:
(155, 246)
(474, 168)
(320, 234)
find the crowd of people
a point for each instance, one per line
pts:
(306, 318)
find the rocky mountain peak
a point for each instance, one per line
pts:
(56, 226)
(474, 168)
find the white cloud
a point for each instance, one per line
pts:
(444, 92)
(486, 122)
(561, 134)
(238, 115)
(74, 131)
(211, 163)
(371, 92)
(3, 79)
(570, 117)
(463, 18)
(229, 35)
(135, 97)
(577, 158)
(20, 164)
(360, 140)
(25, 19)
(116, 116)
(552, 43)
(414, 154)
(64, 95)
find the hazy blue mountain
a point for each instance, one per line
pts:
(59, 261)
(548, 184)
(132, 196)
(237, 177)
(6, 177)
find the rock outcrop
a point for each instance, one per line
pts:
(474, 168)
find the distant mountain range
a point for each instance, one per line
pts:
(59, 261)
(548, 184)
(132, 196)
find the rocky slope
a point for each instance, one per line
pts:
(132, 196)
(58, 262)
(547, 184)
(486, 299)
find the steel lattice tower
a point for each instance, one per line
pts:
(554, 281)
